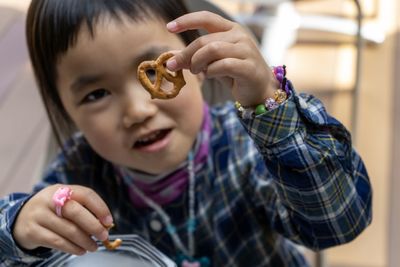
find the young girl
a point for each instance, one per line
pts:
(222, 186)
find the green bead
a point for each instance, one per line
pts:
(237, 105)
(260, 109)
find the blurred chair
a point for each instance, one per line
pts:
(283, 27)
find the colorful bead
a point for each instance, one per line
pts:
(247, 113)
(279, 77)
(280, 96)
(237, 105)
(271, 104)
(260, 109)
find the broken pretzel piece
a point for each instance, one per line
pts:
(111, 245)
(161, 73)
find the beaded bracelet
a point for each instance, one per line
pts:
(271, 103)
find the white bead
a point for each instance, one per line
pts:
(155, 225)
(247, 114)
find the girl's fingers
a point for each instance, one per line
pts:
(71, 232)
(228, 67)
(79, 214)
(200, 20)
(246, 91)
(183, 59)
(92, 202)
(219, 29)
(216, 51)
(52, 240)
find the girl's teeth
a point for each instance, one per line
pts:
(148, 138)
(151, 138)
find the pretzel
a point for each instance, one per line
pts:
(111, 245)
(158, 66)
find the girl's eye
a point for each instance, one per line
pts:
(95, 96)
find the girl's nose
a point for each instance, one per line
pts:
(138, 107)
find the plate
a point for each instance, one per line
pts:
(134, 251)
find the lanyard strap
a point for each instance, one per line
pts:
(171, 229)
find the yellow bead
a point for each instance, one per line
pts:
(280, 96)
(237, 105)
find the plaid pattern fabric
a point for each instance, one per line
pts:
(289, 176)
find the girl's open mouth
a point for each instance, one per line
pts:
(154, 141)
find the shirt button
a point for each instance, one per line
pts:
(155, 225)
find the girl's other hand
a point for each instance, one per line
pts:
(83, 216)
(228, 52)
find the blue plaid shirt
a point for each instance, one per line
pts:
(286, 177)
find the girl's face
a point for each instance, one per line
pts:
(98, 86)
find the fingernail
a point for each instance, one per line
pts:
(172, 64)
(107, 221)
(172, 26)
(81, 252)
(103, 236)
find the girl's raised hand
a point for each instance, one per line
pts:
(83, 216)
(228, 52)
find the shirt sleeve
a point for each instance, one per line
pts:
(10, 253)
(60, 171)
(323, 190)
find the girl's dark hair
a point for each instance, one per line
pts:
(52, 27)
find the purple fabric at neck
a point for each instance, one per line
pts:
(166, 189)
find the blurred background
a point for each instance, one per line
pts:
(347, 52)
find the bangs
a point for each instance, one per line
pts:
(61, 20)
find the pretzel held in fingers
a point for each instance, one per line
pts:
(111, 245)
(161, 73)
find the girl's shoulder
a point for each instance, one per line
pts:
(78, 163)
(77, 147)
(76, 154)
